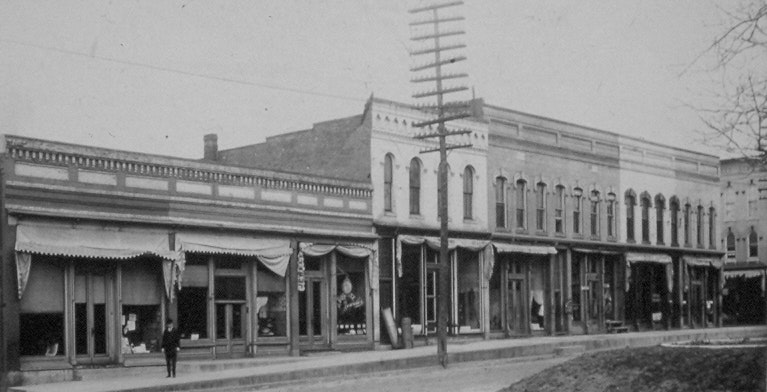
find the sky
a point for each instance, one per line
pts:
(155, 76)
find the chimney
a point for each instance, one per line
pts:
(211, 147)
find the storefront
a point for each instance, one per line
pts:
(595, 295)
(649, 284)
(702, 284)
(417, 283)
(90, 293)
(521, 289)
(336, 301)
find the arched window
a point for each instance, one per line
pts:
(521, 204)
(712, 227)
(730, 244)
(468, 192)
(631, 202)
(611, 215)
(686, 223)
(577, 208)
(594, 212)
(699, 226)
(753, 244)
(388, 181)
(674, 211)
(559, 210)
(415, 187)
(660, 206)
(540, 207)
(500, 202)
(645, 206)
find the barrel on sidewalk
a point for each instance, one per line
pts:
(407, 332)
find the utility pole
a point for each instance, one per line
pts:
(442, 112)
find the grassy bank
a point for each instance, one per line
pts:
(655, 369)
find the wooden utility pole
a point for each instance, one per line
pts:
(443, 113)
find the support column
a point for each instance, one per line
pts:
(293, 298)
(680, 291)
(333, 309)
(566, 295)
(550, 302)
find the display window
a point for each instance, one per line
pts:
(350, 299)
(193, 299)
(271, 303)
(141, 320)
(41, 313)
(468, 304)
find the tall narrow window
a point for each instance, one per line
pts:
(388, 179)
(712, 227)
(699, 226)
(540, 207)
(730, 244)
(521, 204)
(577, 206)
(559, 210)
(500, 202)
(611, 215)
(468, 192)
(415, 187)
(645, 218)
(594, 212)
(674, 211)
(753, 244)
(686, 218)
(630, 204)
(660, 206)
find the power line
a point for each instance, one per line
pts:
(186, 73)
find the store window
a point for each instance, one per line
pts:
(577, 208)
(415, 187)
(500, 202)
(409, 285)
(351, 301)
(521, 199)
(193, 299)
(41, 312)
(141, 319)
(468, 291)
(559, 210)
(271, 303)
(660, 206)
(388, 181)
(537, 311)
(468, 192)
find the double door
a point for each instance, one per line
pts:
(314, 313)
(587, 294)
(93, 310)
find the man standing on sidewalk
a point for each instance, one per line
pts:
(170, 346)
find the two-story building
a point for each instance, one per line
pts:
(100, 247)
(744, 225)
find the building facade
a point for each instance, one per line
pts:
(744, 223)
(100, 247)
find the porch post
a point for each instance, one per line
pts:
(566, 289)
(680, 291)
(601, 294)
(333, 310)
(550, 303)
(293, 298)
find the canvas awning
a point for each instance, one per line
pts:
(86, 241)
(702, 261)
(360, 251)
(596, 251)
(528, 249)
(648, 258)
(750, 273)
(434, 243)
(273, 253)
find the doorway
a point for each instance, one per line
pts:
(516, 299)
(313, 315)
(231, 319)
(94, 296)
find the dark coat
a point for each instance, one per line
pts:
(171, 340)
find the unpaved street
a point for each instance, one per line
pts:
(484, 376)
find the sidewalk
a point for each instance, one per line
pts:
(302, 368)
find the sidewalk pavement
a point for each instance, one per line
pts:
(264, 372)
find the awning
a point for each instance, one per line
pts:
(87, 241)
(595, 251)
(529, 249)
(434, 243)
(750, 273)
(703, 261)
(90, 241)
(365, 251)
(274, 253)
(648, 258)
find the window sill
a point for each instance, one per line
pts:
(416, 216)
(560, 235)
(542, 233)
(520, 231)
(612, 239)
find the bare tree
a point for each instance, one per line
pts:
(738, 121)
